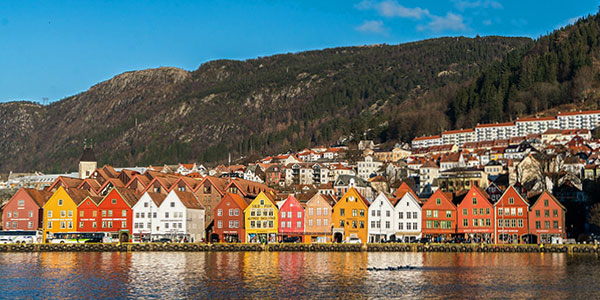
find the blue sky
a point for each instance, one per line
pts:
(56, 49)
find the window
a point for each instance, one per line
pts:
(167, 225)
(342, 212)
(123, 224)
(475, 223)
(428, 213)
(465, 222)
(537, 213)
(520, 211)
(487, 211)
(474, 201)
(500, 211)
(310, 211)
(500, 224)
(60, 202)
(49, 225)
(103, 213)
(387, 224)
(401, 215)
(438, 201)
(80, 224)
(113, 201)
(511, 200)
(474, 211)
(520, 223)
(387, 213)
(481, 211)
(362, 224)
(465, 212)
(110, 224)
(231, 224)
(408, 227)
(63, 225)
(9, 214)
(546, 213)
(94, 213)
(172, 204)
(546, 202)
(30, 224)
(289, 214)
(81, 213)
(488, 222)
(428, 224)
(236, 212)
(555, 213)
(355, 212)
(361, 212)
(143, 215)
(21, 202)
(513, 211)
(110, 214)
(31, 213)
(373, 213)
(219, 212)
(299, 214)
(400, 226)
(145, 204)
(103, 224)
(554, 224)
(63, 213)
(262, 202)
(252, 224)
(124, 213)
(94, 225)
(513, 223)
(289, 224)
(70, 213)
(448, 214)
(298, 224)
(220, 224)
(414, 214)
(547, 224)
(167, 214)
(231, 212)
(407, 215)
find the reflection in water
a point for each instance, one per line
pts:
(297, 275)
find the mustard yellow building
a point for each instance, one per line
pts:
(60, 211)
(260, 218)
(349, 218)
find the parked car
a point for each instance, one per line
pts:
(294, 239)
(353, 240)
(5, 241)
(422, 240)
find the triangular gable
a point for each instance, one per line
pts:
(353, 192)
(211, 180)
(546, 195)
(511, 191)
(402, 190)
(66, 182)
(130, 197)
(438, 194)
(384, 198)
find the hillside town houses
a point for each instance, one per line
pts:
(504, 182)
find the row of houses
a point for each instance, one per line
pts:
(587, 120)
(402, 216)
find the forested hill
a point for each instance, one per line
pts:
(559, 69)
(258, 106)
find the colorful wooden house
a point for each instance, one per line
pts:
(546, 219)
(476, 216)
(60, 211)
(24, 210)
(291, 220)
(261, 219)
(145, 216)
(381, 219)
(229, 220)
(318, 223)
(116, 215)
(439, 217)
(88, 216)
(350, 216)
(511, 214)
(407, 214)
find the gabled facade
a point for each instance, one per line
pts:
(60, 211)
(181, 217)
(261, 219)
(439, 217)
(318, 223)
(547, 218)
(350, 216)
(145, 216)
(229, 220)
(381, 219)
(511, 214)
(407, 214)
(88, 216)
(476, 216)
(24, 210)
(291, 219)
(116, 214)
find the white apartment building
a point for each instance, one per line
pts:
(497, 131)
(458, 137)
(145, 215)
(579, 119)
(538, 125)
(367, 167)
(426, 141)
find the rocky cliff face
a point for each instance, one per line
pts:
(270, 104)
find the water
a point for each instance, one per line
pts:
(297, 275)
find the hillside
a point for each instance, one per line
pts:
(262, 105)
(559, 71)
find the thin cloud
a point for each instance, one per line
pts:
(463, 5)
(391, 9)
(487, 22)
(450, 22)
(371, 27)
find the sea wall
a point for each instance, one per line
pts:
(299, 247)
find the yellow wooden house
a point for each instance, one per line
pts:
(60, 211)
(261, 219)
(349, 217)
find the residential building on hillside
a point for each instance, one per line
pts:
(458, 137)
(497, 131)
(368, 167)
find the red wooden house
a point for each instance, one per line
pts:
(439, 216)
(476, 216)
(115, 211)
(229, 219)
(511, 214)
(546, 218)
(291, 219)
(88, 216)
(24, 210)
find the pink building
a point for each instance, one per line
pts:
(24, 210)
(291, 220)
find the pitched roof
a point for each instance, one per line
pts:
(77, 195)
(88, 154)
(40, 197)
(189, 200)
(401, 191)
(157, 198)
(130, 196)
(237, 199)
